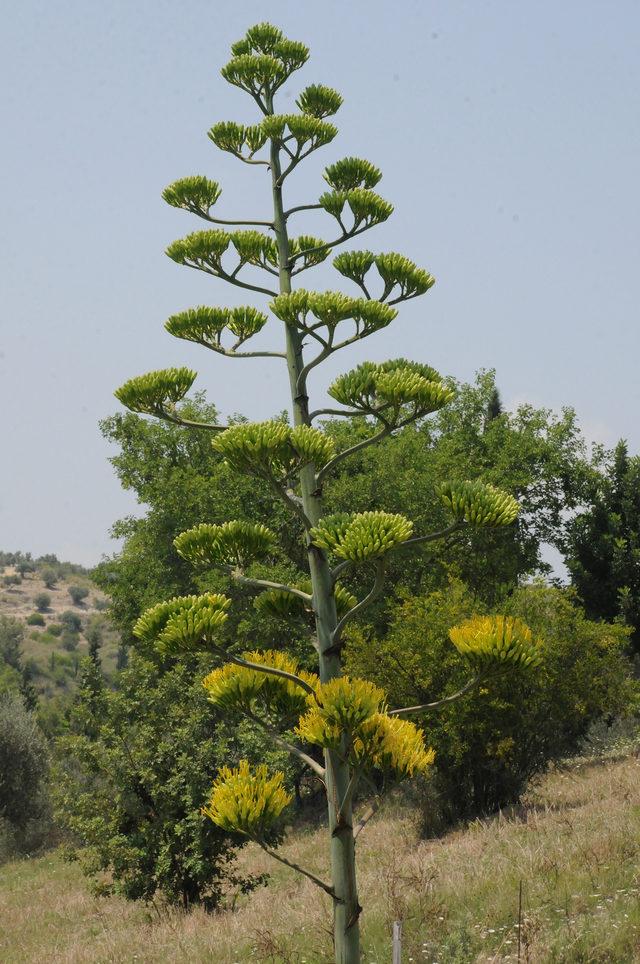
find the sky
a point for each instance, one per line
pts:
(509, 138)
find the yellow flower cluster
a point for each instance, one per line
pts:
(355, 709)
(391, 743)
(491, 641)
(233, 686)
(247, 801)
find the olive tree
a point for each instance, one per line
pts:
(341, 728)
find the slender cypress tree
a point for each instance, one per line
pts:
(341, 728)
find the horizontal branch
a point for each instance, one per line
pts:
(322, 474)
(253, 224)
(296, 751)
(232, 280)
(346, 236)
(301, 207)
(267, 584)
(431, 537)
(271, 671)
(290, 863)
(424, 707)
(187, 423)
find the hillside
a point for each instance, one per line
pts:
(52, 651)
(574, 844)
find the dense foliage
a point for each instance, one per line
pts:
(23, 777)
(132, 777)
(489, 746)
(603, 544)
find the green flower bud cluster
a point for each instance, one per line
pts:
(490, 642)
(392, 386)
(205, 325)
(238, 687)
(284, 605)
(351, 173)
(319, 101)
(234, 543)
(313, 250)
(184, 623)
(233, 138)
(247, 801)
(263, 60)
(201, 249)
(255, 248)
(156, 393)
(330, 308)
(361, 536)
(273, 449)
(302, 128)
(479, 503)
(394, 269)
(367, 207)
(196, 194)
(204, 249)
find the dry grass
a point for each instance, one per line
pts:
(574, 844)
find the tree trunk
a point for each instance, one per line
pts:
(346, 909)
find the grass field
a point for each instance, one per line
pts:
(574, 844)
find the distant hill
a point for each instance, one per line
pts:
(52, 650)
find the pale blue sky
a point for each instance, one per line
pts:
(509, 137)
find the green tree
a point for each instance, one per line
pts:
(142, 758)
(42, 601)
(603, 543)
(49, 577)
(487, 749)
(78, 594)
(23, 772)
(346, 719)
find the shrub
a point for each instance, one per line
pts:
(151, 836)
(49, 577)
(100, 604)
(11, 580)
(35, 619)
(23, 774)
(489, 746)
(69, 640)
(42, 601)
(71, 621)
(78, 593)
(55, 629)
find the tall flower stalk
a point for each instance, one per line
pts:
(341, 729)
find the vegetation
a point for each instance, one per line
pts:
(42, 601)
(345, 719)
(603, 544)
(573, 843)
(23, 773)
(78, 594)
(143, 757)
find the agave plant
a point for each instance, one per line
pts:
(341, 728)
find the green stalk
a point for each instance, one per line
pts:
(346, 909)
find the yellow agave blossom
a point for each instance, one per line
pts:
(245, 801)
(491, 640)
(391, 743)
(237, 686)
(340, 706)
